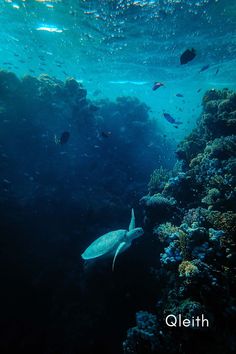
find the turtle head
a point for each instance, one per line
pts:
(135, 233)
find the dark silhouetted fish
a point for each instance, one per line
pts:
(157, 85)
(179, 95)
(105, 134)
(217, 70)
(205, 67)
(187, 56)
(64, 137)
(199, 90)
(170, 119)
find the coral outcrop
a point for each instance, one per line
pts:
(193, 215)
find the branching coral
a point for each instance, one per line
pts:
(144, 334)
(158, 179)
(187, 269)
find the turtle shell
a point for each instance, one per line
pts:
(105, 244)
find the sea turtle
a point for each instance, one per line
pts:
(113, 242)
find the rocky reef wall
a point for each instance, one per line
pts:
(192, 212)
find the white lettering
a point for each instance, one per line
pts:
(177, 321)
(186, 322)
(171, 320)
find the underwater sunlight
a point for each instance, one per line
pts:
(118, 176)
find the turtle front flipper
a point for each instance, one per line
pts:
(132, 221)
(121, 245)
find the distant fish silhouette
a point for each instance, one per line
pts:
(63, 138)
(204, 68)
(187, 56)
(179, 95)
(170, 119)
(105, 134)
(157, 85)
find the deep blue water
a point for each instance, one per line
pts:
(88, 68)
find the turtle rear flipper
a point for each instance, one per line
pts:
(121, 245)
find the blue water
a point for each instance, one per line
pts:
(122, 47)
(57, 197)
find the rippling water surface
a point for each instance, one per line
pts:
(122, 47)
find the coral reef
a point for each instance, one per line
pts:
(193, 215)
(217, 120)
(144, 334)
(157, 207)
(101, 133)
(158, 179)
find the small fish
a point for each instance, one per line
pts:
(199, 90)
(105, 134)
(157, 85)
(179, 95)
(205, 67)
(63, 138)
(169, 118)
(187, 56)
(217, 70)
